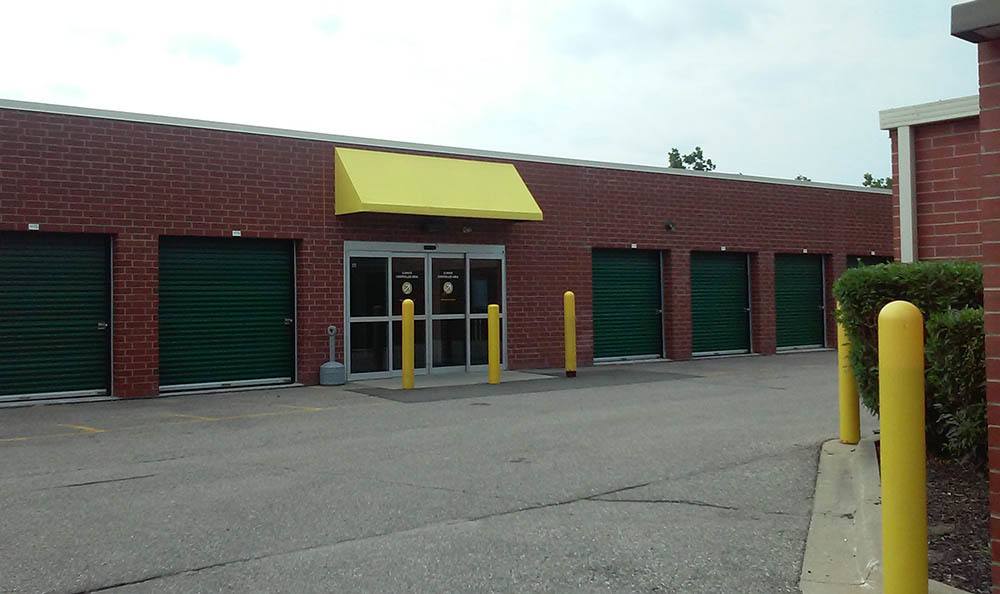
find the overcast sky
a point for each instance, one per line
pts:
(767, 87)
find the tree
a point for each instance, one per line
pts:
(801, 178)
(877, 182)
(694, 160)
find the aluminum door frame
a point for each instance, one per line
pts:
(375, 249)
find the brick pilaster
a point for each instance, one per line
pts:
(833, 266)
(989, 134)
(677, 292)
(135, 306)
(763, 320)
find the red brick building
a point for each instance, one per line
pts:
(141, 254)
(946, 200)
(935, 166)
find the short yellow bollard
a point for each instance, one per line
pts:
(903, 462)
(408, 379)
(493, 342)
(569, 331)
(850, 408)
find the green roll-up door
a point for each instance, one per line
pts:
(720, 316)
(628, 309)
(798, 296)
(226, 312)
(54, 315)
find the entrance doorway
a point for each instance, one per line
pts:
(451, 287)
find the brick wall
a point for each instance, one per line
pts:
(989, 126)
(139, 181)
(947, 173)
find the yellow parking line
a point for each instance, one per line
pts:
(194, 417)
(80, 430)
(84, 428)
(260, 414)
(44, 436)
(302, 408)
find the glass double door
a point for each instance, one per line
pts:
(450, 293)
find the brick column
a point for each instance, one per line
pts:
(135, 305)
(989, 135)
(320, 296)
(762, 315)
(677, 303)
(833, 266)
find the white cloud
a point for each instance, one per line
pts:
(765, 86)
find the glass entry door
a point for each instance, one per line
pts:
(448, 311)
(450, 291)
(409, 282)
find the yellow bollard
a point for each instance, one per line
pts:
(408, 379)
(493, 342)
(569, 331)
(903, 462)
(850, 408)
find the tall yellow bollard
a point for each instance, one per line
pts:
(903, 463)
(408, 379)
(493, 342)
(850, 408)
(569, 331)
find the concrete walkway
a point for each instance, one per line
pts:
(660, 477)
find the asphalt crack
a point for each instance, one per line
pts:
(602, 497)
(674, 501)
(101, 482)
(330, 545)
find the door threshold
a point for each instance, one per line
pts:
(47, 401)
(598, 363)
(256, 388)
(722, 356)
(789, 350)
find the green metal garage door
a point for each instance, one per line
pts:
(54, 315)
(226, 312)
(798, 295)
(720, 306)
(628, 310)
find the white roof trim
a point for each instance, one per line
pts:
(925, 113)
(408, 146)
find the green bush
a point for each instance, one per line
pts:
(935, 288)
(956, 382)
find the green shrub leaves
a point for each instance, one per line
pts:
(950, 295)
(956, 381)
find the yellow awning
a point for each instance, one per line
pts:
(373, 181)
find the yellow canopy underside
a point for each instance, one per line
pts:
(373, 181)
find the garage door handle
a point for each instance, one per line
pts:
(288, 321)
(102, 325)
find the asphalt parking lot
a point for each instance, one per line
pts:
(658, 477)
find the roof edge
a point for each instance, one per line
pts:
(925, 113)
(362, 142)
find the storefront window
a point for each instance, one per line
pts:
(369, 346)
(407, 283)
(485, 287)
(368, 288)
(448, 285)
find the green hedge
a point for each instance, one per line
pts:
(936, 288)
(956, 381)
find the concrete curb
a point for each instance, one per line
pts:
(844, 546)
(841, 549)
